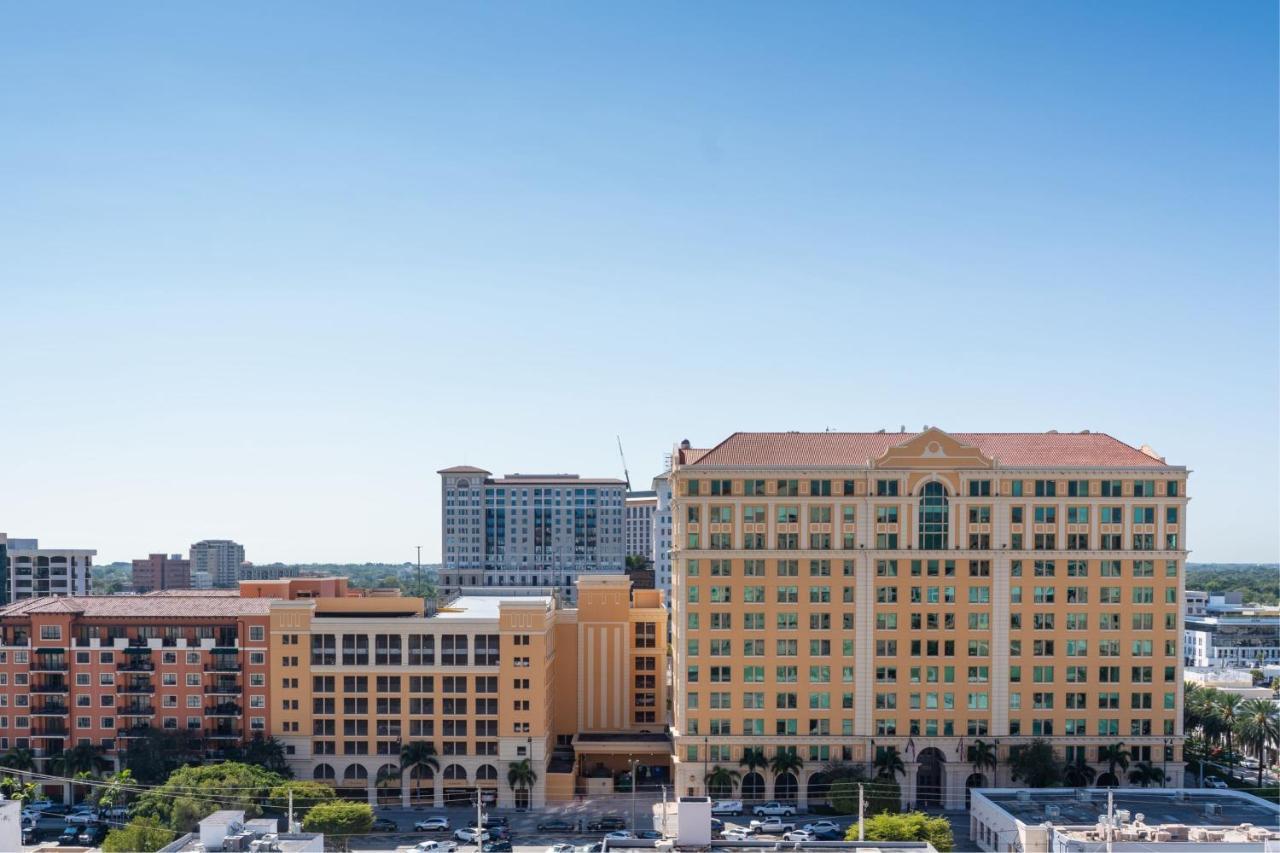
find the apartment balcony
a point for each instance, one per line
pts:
(48, 663)
(224, 709)
(49, 685)
(224, 665)
(50, 709)
(137, 711)
(222, 755)
(47, 729)
(136, 664)
(222, 733)
(134, 732)
(137, 687)
(224, 688)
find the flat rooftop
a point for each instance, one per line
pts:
(1157, 805)
(484, 606)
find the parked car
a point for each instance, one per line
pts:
(556, 824)
(82, 818)
(829, 835)
(436, 846)
(593, 848)
(70, 837)
(92, 835)
(470, 835)
(608, 823)
(384, 824)
(1214, 782)
(118, 813)
(798, 835)
(731, 807)
(560, 848)
(620, 835)
(736, 833)
(774, 809)
(432, 824)
(771, 826)
(648, 834)
(498, 846)
(821, 826)
(495, 820)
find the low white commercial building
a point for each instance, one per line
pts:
(1247, 639)
(1076, 820)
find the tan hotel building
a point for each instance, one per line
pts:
(488, 681)
(837, 593)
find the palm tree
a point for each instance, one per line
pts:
(754, 759)
(1114, 756)
(1144, 774)
(521, 775)
(1078, 774)
(1259, 728)
(20, 759)
(982, 755)
(419, 755)
(82, 758)
(1227, 709)
(889, 763)
(786, 761)
(721, 780)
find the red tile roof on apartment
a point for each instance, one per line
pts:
(855, 449)
(141, 606)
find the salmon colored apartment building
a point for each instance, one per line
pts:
(836, 594)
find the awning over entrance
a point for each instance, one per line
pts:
(623, 743)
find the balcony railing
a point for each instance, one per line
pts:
(139, 665)
(50, 685)
(223, 688)
(50, 709)
(137, 687)
(135, 731)
(222, 734)
(225, 709)
(138, 711)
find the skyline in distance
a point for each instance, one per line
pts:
(265, 271)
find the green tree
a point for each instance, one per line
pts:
(786, 761)
(889, 764)
(338, 821)
(906, 826)
(1227, 708)
(142, 835)
(14, 788)
(721, 781)
(116, 791)
(159, 753)
(81, 758)
(1114, 755)
(982, 757)
(420, 756)
(844, 796)
(1078, 774)
(521, 775)
(20, 759)
(754, 759)
(1035, 764)
(1259, 729)
(305, 795)
(268, 753)
(191, 794)
(1144, 774)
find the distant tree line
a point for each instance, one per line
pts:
(1258, 583)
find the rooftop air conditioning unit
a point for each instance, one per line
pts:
(1024, 796)
(1053, 811)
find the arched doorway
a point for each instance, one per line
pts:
(456, 791)
(929, 777)
(818, 788)
(785, 788)
(753, 786)
(487, 783)
(975, 780)
(355, 783)
(422, 786)
(323, 773)
(387, 783)
(1108, 780)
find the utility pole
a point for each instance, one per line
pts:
(1111, 815)
(633, 795)
(861, 829)
(291, 824)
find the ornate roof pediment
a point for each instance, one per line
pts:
(933, 449)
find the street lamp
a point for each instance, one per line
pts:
(633, 762)
(706, 763)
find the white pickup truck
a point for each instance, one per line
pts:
(772, 826)
(774, 808)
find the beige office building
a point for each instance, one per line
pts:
(835, 594)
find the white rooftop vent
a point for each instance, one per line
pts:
(1053, 811)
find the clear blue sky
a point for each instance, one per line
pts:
(266, 267)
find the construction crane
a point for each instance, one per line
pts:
(625, 472)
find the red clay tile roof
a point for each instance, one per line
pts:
(855, 449)
(463, 469)
(142, 606)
